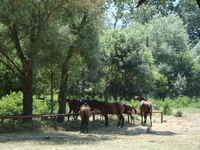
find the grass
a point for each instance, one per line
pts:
(68, 135)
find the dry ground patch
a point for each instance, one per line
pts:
(177, 133)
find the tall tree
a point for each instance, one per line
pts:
(83, 18)
(22, 25)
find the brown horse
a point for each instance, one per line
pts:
(73, 107)
(85, 114)
(129, 110)
(110, 108)
(145, 108)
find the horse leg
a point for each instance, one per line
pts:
(141, 118)
(86, 127)
(69, 115)
(75, 116)
(119, 119)
(150, 118)
(145, 118)
(82, 126)
(132, 120)
(106, 120)
(122, 118)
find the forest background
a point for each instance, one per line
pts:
(108, 50)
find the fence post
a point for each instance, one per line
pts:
(161, 117)
(13, 124)
(55, 123)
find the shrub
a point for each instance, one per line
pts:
(167, 109)
(11, 104)
(179, 113)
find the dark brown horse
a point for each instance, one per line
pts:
(85, 114)
(110, 108)
(73, 107)
(145, 108)
(75, 104)
(129, 110)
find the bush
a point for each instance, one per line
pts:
(167, 109)
(179, 113)
(11, 104)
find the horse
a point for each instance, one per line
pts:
(85, 113)
(145, 108)
(110, 108)
(129, 111)
(73, 107)
(139, 98)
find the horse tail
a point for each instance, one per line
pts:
(67, 100)
(134, 110)
(125, 110)
(85, 115)
(148, 108)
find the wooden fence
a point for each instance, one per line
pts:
(14, 117)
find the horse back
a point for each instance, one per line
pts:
(85, 112)
(145, 106)
(73, 105)
(114, 108)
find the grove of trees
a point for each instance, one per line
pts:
(99, 48)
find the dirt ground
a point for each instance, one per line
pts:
(177, 133)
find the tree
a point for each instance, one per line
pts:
(129, 63)
(168, 41)
(83, 18)
(22, 25)
(160, 85)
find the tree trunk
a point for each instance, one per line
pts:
(62, 95)
(52, 92)
(27, 95)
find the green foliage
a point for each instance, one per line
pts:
(40, 107)
(179, 113)
(11, 104)
(167, 109)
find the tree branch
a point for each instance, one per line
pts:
(194, 38)
(10, 60)
(11, 69)
(14, 33)
(42, 28)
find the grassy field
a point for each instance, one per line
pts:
(177, 133)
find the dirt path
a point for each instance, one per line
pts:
(177, 133)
